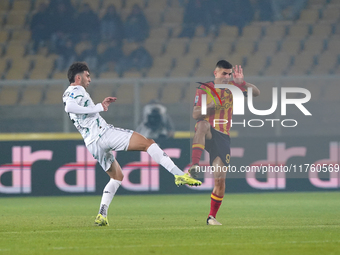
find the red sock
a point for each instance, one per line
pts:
(197, 150)
(215, 204)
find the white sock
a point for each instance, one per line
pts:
(108, 194)
(158, 155)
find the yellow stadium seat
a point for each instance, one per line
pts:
(316, 2)
(252, 32)
(19, 69)
(173, 15)
(9, 95)
(322, 30)
(178, 72)
(99, 92)
(128, 47)
(117, 4)
(278, 65)
(125, 94)
(331, 14)
(4, 5)
(153, 16)
(309, 16)
(4, 62)
(15, 49)
(157, 4)
(244, 47)
(302, 64)
(94, 5)
(42, 68)
(314, 46)
(54, 94)
(291, 47)
(109, 75)
(101, 47)
(199, 47)
(223, 48)
(326, 62)
(16, 19)
(32, 95)
(21, 35)
(175, 31)
(267, 47)
(333, 45)
(3, 36)
(160, 33)
(21, 5)
(60, 75)
(276, 31)
(154, 46)
(133, 74)
(228, 31)
(156, 72)
(176, 47)
(207, 64)
(299, 31)
(255, 64)
(81, 46)
(149, 92)
(172, 93)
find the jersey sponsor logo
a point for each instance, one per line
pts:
(71, 95)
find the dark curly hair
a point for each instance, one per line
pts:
(76, 68)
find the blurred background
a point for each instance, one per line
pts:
(146, 50)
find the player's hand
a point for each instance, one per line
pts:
(238, 74)
(107, 101)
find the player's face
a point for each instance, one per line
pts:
(85, 79)
(222, 75)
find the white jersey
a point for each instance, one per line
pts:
(84, 113)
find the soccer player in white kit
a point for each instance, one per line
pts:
(101, 138)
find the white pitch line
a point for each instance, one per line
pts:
(172, 228)
(199, 244)
(177, 245)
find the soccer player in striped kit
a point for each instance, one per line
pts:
(215, 139)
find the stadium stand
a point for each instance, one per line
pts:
(308, 45)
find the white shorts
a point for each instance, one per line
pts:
(114, 139)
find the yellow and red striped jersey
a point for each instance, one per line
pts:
(221, 111)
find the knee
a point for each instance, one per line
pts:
(220, 183)
(120, 178)
(148, 143)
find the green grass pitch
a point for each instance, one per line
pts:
(270, 223)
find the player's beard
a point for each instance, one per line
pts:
(83, 83)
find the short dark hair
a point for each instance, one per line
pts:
(76, 68)
(224, 64)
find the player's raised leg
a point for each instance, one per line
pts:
(202, 132)
(116, 177)
(141, 143)
(217, 193)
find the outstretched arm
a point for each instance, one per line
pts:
(72, 107)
